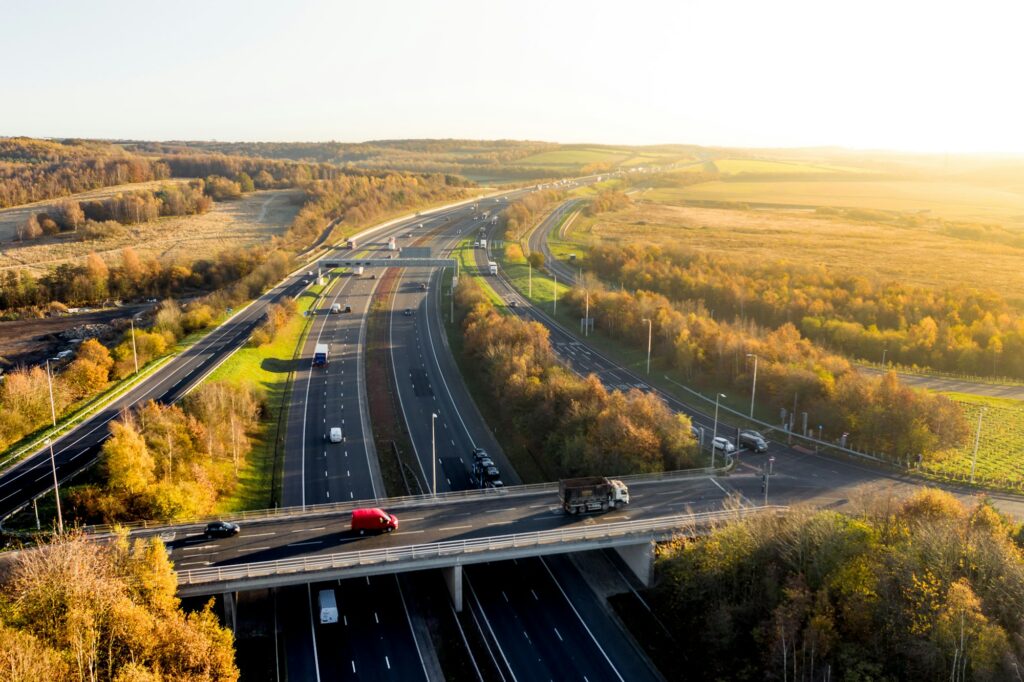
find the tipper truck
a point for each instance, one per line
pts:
(320, 355)
(592, 493)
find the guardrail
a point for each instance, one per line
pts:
(454, 548)
(393, 502)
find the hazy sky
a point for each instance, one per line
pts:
(932, 76)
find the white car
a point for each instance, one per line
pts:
(336, 434)
(724, 445)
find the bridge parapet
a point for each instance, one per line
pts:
(449, 553)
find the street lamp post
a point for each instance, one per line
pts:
(529, 271)
(884, 350)
(977, 439)
(649, 326)
(753, 386)
(56, 489)
(433, 453)
(714, 429)
(135, 353)
(586, 317)
(49, 384)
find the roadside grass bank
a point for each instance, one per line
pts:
(270, 369)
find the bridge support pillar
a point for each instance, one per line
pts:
(640, 559)
(230, 602)
(453, 578)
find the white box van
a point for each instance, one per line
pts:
(336, 308)
(358, 270)
(328, 607)
(336, 434)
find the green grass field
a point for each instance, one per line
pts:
(1000, 460)
(265, 367)
(567, 158)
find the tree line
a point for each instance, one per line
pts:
(172, 462)
(955, 329)
(879, 414)
(572, 425)
(925, 588)
(77, 610)
(34, 170)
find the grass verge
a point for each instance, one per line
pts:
(269, 368)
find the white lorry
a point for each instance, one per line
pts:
(328, 607)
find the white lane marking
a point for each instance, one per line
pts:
(310, 542)
(719, 485)
(455, 527)
(303, 530)
(259, 535)
(559, 634)
(584, 623)
(312, 633)
(251, 549)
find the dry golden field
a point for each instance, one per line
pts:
(912, 256)
(255, 217)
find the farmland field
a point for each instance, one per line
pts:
(729, 166)
(256, 217)
(915, 256)
(1000, 448)
(947, 199)
(576, 157)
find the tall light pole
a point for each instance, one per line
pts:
(649, 326)
(135, 353)
(714, 430)
(433, 453)
(884, 349)
(56, 489)
(49, 383)
(977, 439)
(753, 387)
(529, 272)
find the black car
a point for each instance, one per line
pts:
(407, 312)
(222, 529)
(480, 454)
(752, 440)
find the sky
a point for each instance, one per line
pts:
(931, 76)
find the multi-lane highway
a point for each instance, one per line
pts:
(78, 447)
(429, 383)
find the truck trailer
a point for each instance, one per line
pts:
(328, 607)
(591, 493)
(320, 355)
(492, 267)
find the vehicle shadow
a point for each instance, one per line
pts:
(281, 365)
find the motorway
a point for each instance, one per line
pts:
(376, 637)
(429, 382)
(77, 448)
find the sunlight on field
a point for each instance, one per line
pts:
(953, 200)
(918, 256)
(729, 166)
(254, 218)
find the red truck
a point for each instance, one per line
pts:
(373, 520)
